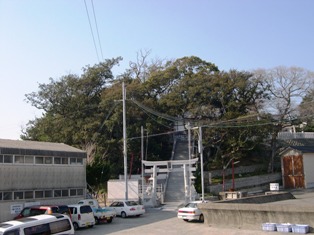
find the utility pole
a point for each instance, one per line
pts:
(124, 143)
(190, 174)
(142, 158)
(200, 146)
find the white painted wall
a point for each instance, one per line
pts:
(15, 177)
(21, 177)
(116, 190)
(308, 164)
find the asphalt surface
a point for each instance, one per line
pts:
(164, 222)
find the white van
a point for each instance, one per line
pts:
(82, 216)
(39, 224)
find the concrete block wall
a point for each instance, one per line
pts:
(252, 216)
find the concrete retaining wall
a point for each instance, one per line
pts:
(252, 216)
(237, 170)
(259, 199)
(246, 182)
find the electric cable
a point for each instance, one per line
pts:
(156, 113)
(91, 28)
(96, 25)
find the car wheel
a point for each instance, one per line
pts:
(123, 214)
(96, 220)
(75, 226)
(186, 220)
(109, 220)
(201, 218)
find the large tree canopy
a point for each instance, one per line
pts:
(86, 111)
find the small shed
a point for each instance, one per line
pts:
(297, 164)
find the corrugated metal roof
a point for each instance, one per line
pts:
(297, 142)
(38, 148)
(301, 149)
(304, 149)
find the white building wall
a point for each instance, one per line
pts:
(20, 177)
(39, 177)
(116, 190)
(308, 163)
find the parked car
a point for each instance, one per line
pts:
(65, 210)
(191, 212)
(36, 210)
(125, 208)
(39, 224)
(82, 216)
(100, 214)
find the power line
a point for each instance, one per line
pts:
(102, 57)
(156, 113)
(91, 28)
(216, 126)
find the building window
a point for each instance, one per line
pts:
(65, 193)
(39, 194)
(76, 161)
(72, 161)
(18, 159)
(80, 192)
(65, 161)
(57, 193)
(0, 196)
(29, 195)
(18, 195)
(57, 160)
(7, 195)
(48, 160)
(29, 159)
(48, 193)
(39, 160)
(72, 192)
(1, 158)
(7, 159)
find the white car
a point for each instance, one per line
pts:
(82, 216)
(125, 208)
(191, 212)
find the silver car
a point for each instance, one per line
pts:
(125, 208)
(191, 212)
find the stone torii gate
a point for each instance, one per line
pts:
(187, 166)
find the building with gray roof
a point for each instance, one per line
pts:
(33, 173)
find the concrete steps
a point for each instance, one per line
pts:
(175, 188)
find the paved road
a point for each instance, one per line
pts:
(165, 222)
(162, 223)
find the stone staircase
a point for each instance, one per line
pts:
(175, 188)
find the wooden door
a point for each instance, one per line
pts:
(293, 171)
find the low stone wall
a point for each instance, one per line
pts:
(259, 199)
(245, 182)
(237, 170)
(252, 216)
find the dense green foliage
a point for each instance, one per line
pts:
(86, 112)
(307, 112)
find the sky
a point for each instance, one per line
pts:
(42, 39)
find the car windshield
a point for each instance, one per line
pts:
(35, 211)
(85, 209)
(4, 225)
(131, 203)
(63, 209)
(191, 205)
